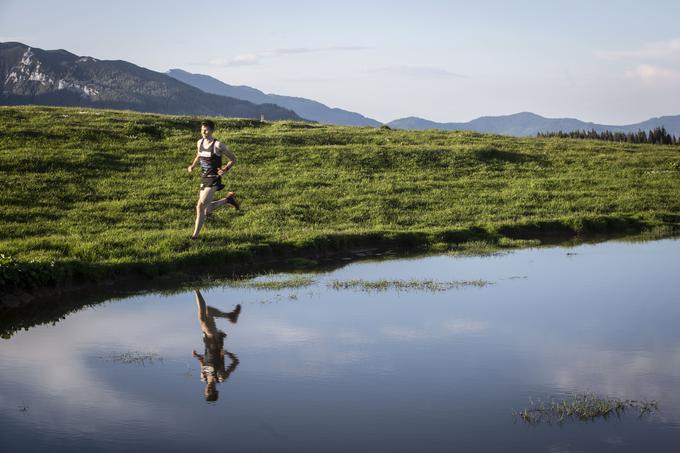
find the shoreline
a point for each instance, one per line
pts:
(23, 309)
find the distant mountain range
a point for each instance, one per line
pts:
(306, 108)
(527, 124)
(57, 77)
(519, 124)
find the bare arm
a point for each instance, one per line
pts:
(198, 356)
(231, 158)
(195, 162)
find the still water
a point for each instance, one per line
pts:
(319, 369)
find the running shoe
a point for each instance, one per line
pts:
(231, 200)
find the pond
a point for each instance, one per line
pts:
(434, 353)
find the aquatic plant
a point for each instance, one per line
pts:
(403, 285)
(134, 357)
(582, 407)
(288, 283)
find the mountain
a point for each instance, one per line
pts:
(526, 123)
(57, 77)
(306, 108)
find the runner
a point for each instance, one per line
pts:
(209, 155)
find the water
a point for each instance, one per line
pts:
(325, 370)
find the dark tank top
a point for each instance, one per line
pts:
(209, 160)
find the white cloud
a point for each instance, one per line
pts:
(419, 72)
(449, 327)
(464, 327)
(650, 73)
(253, 58)
(659, 50)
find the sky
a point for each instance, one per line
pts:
(610, 62)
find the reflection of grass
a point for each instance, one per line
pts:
(293, 282)
(403, 285)
(490, 247)
(582, 407)
(135, 357)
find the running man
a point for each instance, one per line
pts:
(209, 155)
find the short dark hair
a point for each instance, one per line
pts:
(210, 124)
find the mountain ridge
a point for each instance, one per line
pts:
(306, 108)
(529, 124)
(30, 75)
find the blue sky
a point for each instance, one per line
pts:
(611, 62)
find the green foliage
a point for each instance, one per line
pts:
(93, 193)
(656, 136)
(31, 273)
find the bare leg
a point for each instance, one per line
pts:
(232, 316)
(205, 197)
(219, 203)
(205, 317)
(200, 302)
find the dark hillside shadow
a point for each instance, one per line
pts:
(493, 155)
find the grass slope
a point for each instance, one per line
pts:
(93, 193)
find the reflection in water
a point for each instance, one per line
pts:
(212, 360)
(398, 370)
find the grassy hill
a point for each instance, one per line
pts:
(89, 194)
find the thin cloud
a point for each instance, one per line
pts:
(253, 58)
(651, 73)
(659, 50)
(419, 72)
(15, 39)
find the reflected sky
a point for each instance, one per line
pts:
(322, 369)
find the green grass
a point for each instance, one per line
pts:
(273, 285)
(584, 407)
(94, 194)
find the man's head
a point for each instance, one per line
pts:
(207, 128)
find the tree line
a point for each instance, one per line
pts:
(656, 136)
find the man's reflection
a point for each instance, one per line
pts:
(212, 361)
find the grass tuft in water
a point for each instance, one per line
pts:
(583, 407)
(293, 282)
(404, 285)
(135, 358)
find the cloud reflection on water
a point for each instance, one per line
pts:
(331, 349)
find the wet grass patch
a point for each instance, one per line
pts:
(404, 285)
(274, 285)
(134, 358)
(584, 407)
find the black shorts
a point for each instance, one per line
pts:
(212, 181)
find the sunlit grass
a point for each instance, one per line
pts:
(90, 194)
